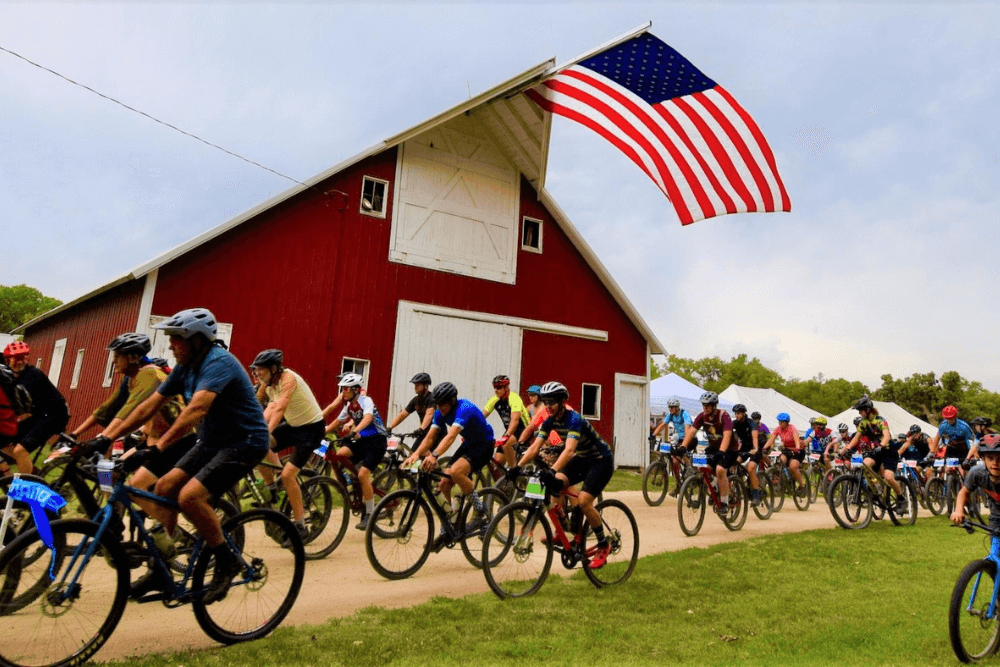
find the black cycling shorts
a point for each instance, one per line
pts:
(957, 452)
(219, 469)
(594, 473)
(798, 454)
(886, 457)
(368, 452)
(167, 460)
(725, 459)
(34, 432)
(476, 456)
(303, 438)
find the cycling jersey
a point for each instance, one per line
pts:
(979, 478)
(763, 432)
(303, 408)
(589, 445)
(45, 398)
(872, 428)
(505, 407)
(680, 422)
(356, 411)
(818, 439)
(475, 429)
(743, 429)
(420, 404)
(957, 434)
(8, 419)
(919, 448)
(133, 391)
(715, 426)
(789, 437)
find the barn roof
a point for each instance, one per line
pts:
(518, 126)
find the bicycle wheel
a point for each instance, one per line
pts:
(975, 505)
(262, 594)
(802, 497)
(952, 485)
(65, 619)
(622, 533)
(738, 503)
(814, 476)
(691, 502)
(655, 483)
(399, 534)
(909, 515)
(392, 479)
(187, 534)
(473, 524)
(327, 513)
(936, 496)
(763, 508)
(974, 636)
(517, 550)
(778, 483)
(850, 502)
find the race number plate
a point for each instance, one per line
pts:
(774, 455)
(664, 447)
(814, 457)
(857, 461)
(700, 460)
(534, 489)
(105, 475)
(938, 463)
(952, 463)
(393, 443)
(321, 450)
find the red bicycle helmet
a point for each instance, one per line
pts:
(949, 412)
(16, 348)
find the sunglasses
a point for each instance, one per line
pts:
(549, 402)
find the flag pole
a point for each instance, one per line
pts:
(603, 47)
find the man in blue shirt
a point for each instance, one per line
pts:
(957, 436)
(681, 421)
(232, 435)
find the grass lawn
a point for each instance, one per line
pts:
(872, 597)
(625, 479)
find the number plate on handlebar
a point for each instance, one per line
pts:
(664, 447)
(938, 463)
(700, 460)
(774, 455)
(321, 450)
(857, 461)
(952, 463)
(393, 443)
(106, 475)
(534, 489)
(814, 457)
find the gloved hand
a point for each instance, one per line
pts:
(513, 473)
(551, 483)
(139, 458)
(98, 444)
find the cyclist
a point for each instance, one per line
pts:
(422, 404)
(337, 406)
(762, 428)
(551, 450)
(294, 419)
(681, 421)
(232, 433)
(959, 440)
(917, 447)
(9, 410)
(534, 403)
(368, 436)
(981, 426)
(985, 477)
(793, 453)
(586, 458)
(49, 413)
(718, 427)
(456, 416)
(818, 437)
(750, 448)
(842, 438)
(883, 456)
(512, 413)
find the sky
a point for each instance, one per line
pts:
(882, 117)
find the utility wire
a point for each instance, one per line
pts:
(152, 118)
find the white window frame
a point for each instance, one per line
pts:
(385, 198)
(364, 375)
(109, 370)
(75, 382)
(38, 364)
(56, 363)
(541, 226)
(597, 403)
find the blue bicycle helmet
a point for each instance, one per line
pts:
(534, 389)
(783, 417)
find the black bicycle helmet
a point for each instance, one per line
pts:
(270, 357)
(131, 343)
(755, 415)
(420, 378)
(501, 381)
(444, 392)
(160, 362)
(739, 407)
(915, 430)
(857, 420)
(864, 403)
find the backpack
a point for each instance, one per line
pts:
(18, 397)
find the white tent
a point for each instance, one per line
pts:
(899, 419)
(662, 389)
(769, 403)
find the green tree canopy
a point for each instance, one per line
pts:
(20, 304)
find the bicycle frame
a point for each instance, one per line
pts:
(994, 557)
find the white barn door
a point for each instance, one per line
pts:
(465, 352)
(631, 421)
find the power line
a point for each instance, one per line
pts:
(152, 118)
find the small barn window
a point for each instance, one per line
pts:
(531, 235)
(76, 369)
(359, 366)
(373, 197)
(109, 370)
(38, 364)
(590, 405)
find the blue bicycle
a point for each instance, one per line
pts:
(61, 607)
(973, 624)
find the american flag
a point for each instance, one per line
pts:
(683, 129)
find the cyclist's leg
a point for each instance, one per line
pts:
(752, 472)
(21, 457)
(795, 468)
(303, 439)
(509, 455)
(267, 472)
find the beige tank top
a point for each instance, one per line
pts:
(303, 408)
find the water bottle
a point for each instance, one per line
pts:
(263, 489)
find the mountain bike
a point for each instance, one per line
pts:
(973, 625)
(815, 472)
(670, 461)
(400, 533)
(784, 484)
(77, 593)
(764, 508)
(519, 544)
(700, 488)
(855, 497)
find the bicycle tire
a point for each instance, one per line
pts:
(516, 561)
(974, 505)
(473, 527)
(392, 479)
(850, 503)
(187, 536)
(972, 638)
(327, 512)
(802, 501)
(738, 505)
(936, 496)
(763, 509)
(655, 483)
(778, 483)
(952, 485)
(622, 533)
(910, 492)
(257, 602)
(399, 534)
(691, 503)
(42, 625)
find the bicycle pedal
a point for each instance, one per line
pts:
(153, 597)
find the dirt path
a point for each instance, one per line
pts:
(345, 582)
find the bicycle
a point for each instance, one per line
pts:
(400, 532)
(855, 496)
(973, 625)
(815, 472)
(764, 507)
(77, 596)
(784, 484)
(656, 479)
(515, 567)
(701, 487)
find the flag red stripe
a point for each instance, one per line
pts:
(741, 147)
(765, 149)
(693, 182)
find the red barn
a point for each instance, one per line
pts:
(423, 253)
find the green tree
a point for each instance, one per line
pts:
(20, 304)
(654, 370)
(828, 397)
(919, 394)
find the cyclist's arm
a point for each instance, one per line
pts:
(364, 423)
(88, 423)
(403, 414)
(659, 428)
(428, 417)
(933, 445)
(958, 516)
(275, 410)
(852, 445)
(532, 452)
(727, 436)
(754, 435)
(424, 445)
(904, 446)
(886, 436)
(139, 416)
(526, 434)
(190, 416)
(770, 440)
(333, 408)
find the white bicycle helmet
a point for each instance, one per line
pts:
(674, 403)
(190, 322)
(350, 380)
(554, 391)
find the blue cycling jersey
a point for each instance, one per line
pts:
(958, 433)
(476, 431)
(818, 439)
(680, 421)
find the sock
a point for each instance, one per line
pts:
(599, 534)
(370, 506)
(724, 498)
(454, 503)
(477, 502)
